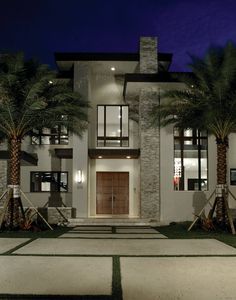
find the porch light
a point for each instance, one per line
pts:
(113, 69)
(99, 156)
(128, 156)
(79, 176)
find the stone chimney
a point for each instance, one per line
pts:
(148, 55)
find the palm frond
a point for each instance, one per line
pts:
(32, 97)
(208, 100)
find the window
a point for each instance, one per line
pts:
(190, 160)
(55, 136)
(49, 182)
(113, 126)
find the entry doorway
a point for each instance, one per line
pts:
(112, 196)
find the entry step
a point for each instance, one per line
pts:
(112, 222)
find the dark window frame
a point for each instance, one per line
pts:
(106, 138)
(196, 139)
(52, 136)
(232, 176)
(58, 185)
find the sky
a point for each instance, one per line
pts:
(183, 27)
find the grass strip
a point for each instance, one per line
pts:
(116, 279)
(18, 247)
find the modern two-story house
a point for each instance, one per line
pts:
(121, 168)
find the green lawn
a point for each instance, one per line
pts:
(180, 231)
(57, 231)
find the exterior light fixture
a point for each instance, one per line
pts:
(113, 69)
(50, 82)
(99, 156)
(79, 176)
(128, 156)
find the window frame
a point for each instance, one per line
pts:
(57, 135)
(105, 138)
(196, 139)
(43, 172)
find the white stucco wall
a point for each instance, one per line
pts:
(107, 89)
(47, 161)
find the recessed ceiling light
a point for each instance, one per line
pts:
(99, 156)
(128, 156)
(113, 68)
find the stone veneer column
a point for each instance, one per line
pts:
(149, 137)
(148, 55)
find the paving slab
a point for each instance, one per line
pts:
(185, 278)
(136, 230)
(92, 228)
(7, 244)
(89, 232)
(127, 247)
(55, 275)
(114, 236)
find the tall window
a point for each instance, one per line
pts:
(113, 126)
(49, 182)
(190, 160)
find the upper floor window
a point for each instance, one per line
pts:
(54, 136)
(49, 182)
(190, 160)
(113, 126)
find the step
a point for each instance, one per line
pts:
(112, 222)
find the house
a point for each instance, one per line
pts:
(121, 167)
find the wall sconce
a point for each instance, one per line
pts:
(79, 176)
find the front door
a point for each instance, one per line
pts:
(112, 193)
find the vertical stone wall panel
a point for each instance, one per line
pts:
(149, 158)
(148, 55)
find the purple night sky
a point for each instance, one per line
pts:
(41, 27)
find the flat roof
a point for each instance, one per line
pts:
(102, 56)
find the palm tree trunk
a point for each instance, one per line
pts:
(13, 216)
(222, 147)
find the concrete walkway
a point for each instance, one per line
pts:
(117, 263)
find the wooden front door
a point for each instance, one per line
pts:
(112, 193)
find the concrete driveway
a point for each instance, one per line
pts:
(117, 263)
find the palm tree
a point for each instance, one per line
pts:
(209, 103)
(32, 97)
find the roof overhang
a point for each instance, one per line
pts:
(131, 80)
(66, 153)
(114, 153)
(27, 159)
